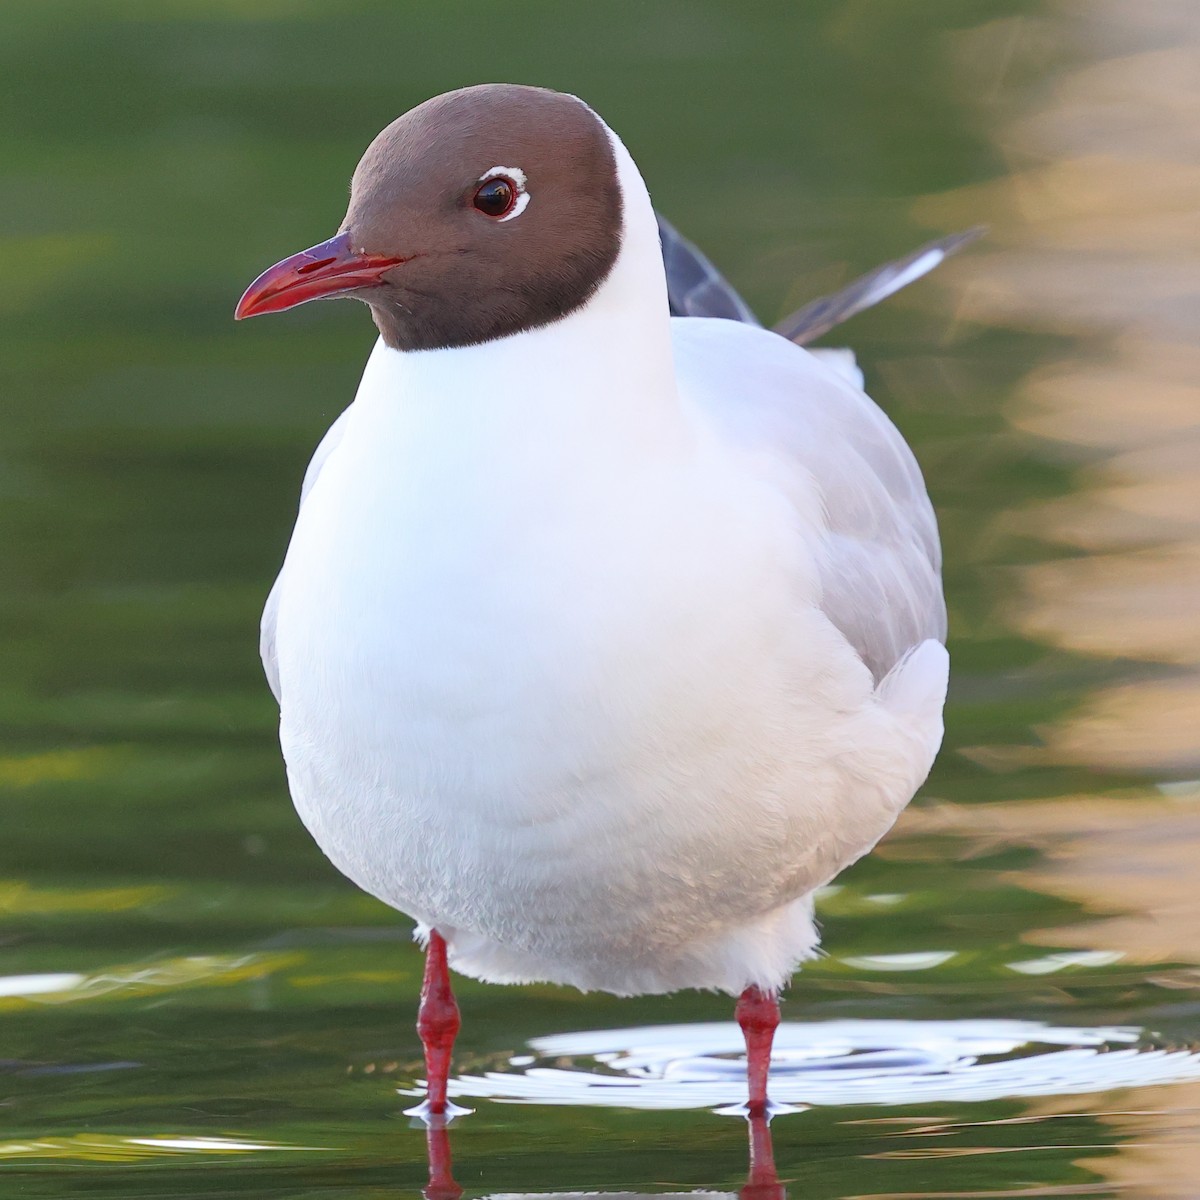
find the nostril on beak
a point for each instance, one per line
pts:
(308, 268)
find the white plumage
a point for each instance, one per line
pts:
(601, 646)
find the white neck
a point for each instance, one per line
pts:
(605, 370)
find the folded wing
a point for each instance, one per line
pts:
(876, 543)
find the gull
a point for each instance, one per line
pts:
(611, 627)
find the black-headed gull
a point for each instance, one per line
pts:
(604, 637)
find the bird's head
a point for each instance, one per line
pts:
(477, 215)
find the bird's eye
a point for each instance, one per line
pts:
(496, 197)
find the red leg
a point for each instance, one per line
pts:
(758, 1015)
(437, 1022)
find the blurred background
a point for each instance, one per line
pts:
(184, 980)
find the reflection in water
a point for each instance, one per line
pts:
(1130, 860)
(830, 1063)
(442, 1185)
(1094, 238)
(762, 1178)
(207, 970)
(113, 1148)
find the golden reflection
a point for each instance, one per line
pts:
(201, 970)
(104, 1147)
(20, 899)
(1129, 860)
(1095, 237)
(1160, 1149)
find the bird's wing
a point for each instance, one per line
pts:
(875, 540)
(821, 315)
(266, 642)
(695, 288)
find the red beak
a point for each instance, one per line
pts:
(326, 270)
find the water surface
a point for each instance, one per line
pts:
(194, 1004)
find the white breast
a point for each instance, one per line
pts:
(553, 667)
(573, 699)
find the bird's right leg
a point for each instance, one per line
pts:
(438, 1023)
(758, 1015)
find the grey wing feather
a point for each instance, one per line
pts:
(821, 315)
(879, 562)
(695, 288)
(880, 565)
(266, 643)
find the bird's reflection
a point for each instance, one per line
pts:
(442, 1184)
(762, 1179)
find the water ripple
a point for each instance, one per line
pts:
(831, 1063)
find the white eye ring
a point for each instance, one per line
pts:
(518, 177)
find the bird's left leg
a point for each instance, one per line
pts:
(438, 1022)
(758, 1015)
